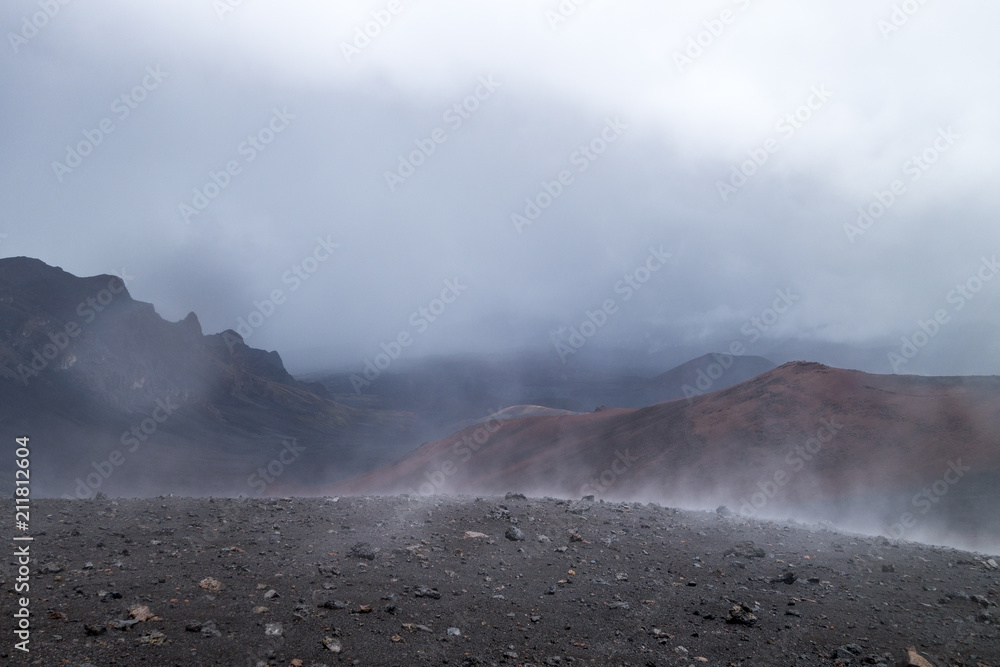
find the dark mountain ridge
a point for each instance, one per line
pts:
(83, 364)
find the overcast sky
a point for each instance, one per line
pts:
(627, 123)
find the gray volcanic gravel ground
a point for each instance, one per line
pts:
(397, 581)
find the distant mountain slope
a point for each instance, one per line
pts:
(512, 412)
(708, 373)
(803, 437)
(83, 365)
(446, 391)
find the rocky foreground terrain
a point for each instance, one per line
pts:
(484, 581)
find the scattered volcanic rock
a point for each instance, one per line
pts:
(425, 592)
(913, 659)
(629, 601)
(210, 584)
(363, 550)
(514, 534)
(745, 550)
(472, 534)
(207, 628)
(741, 614)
